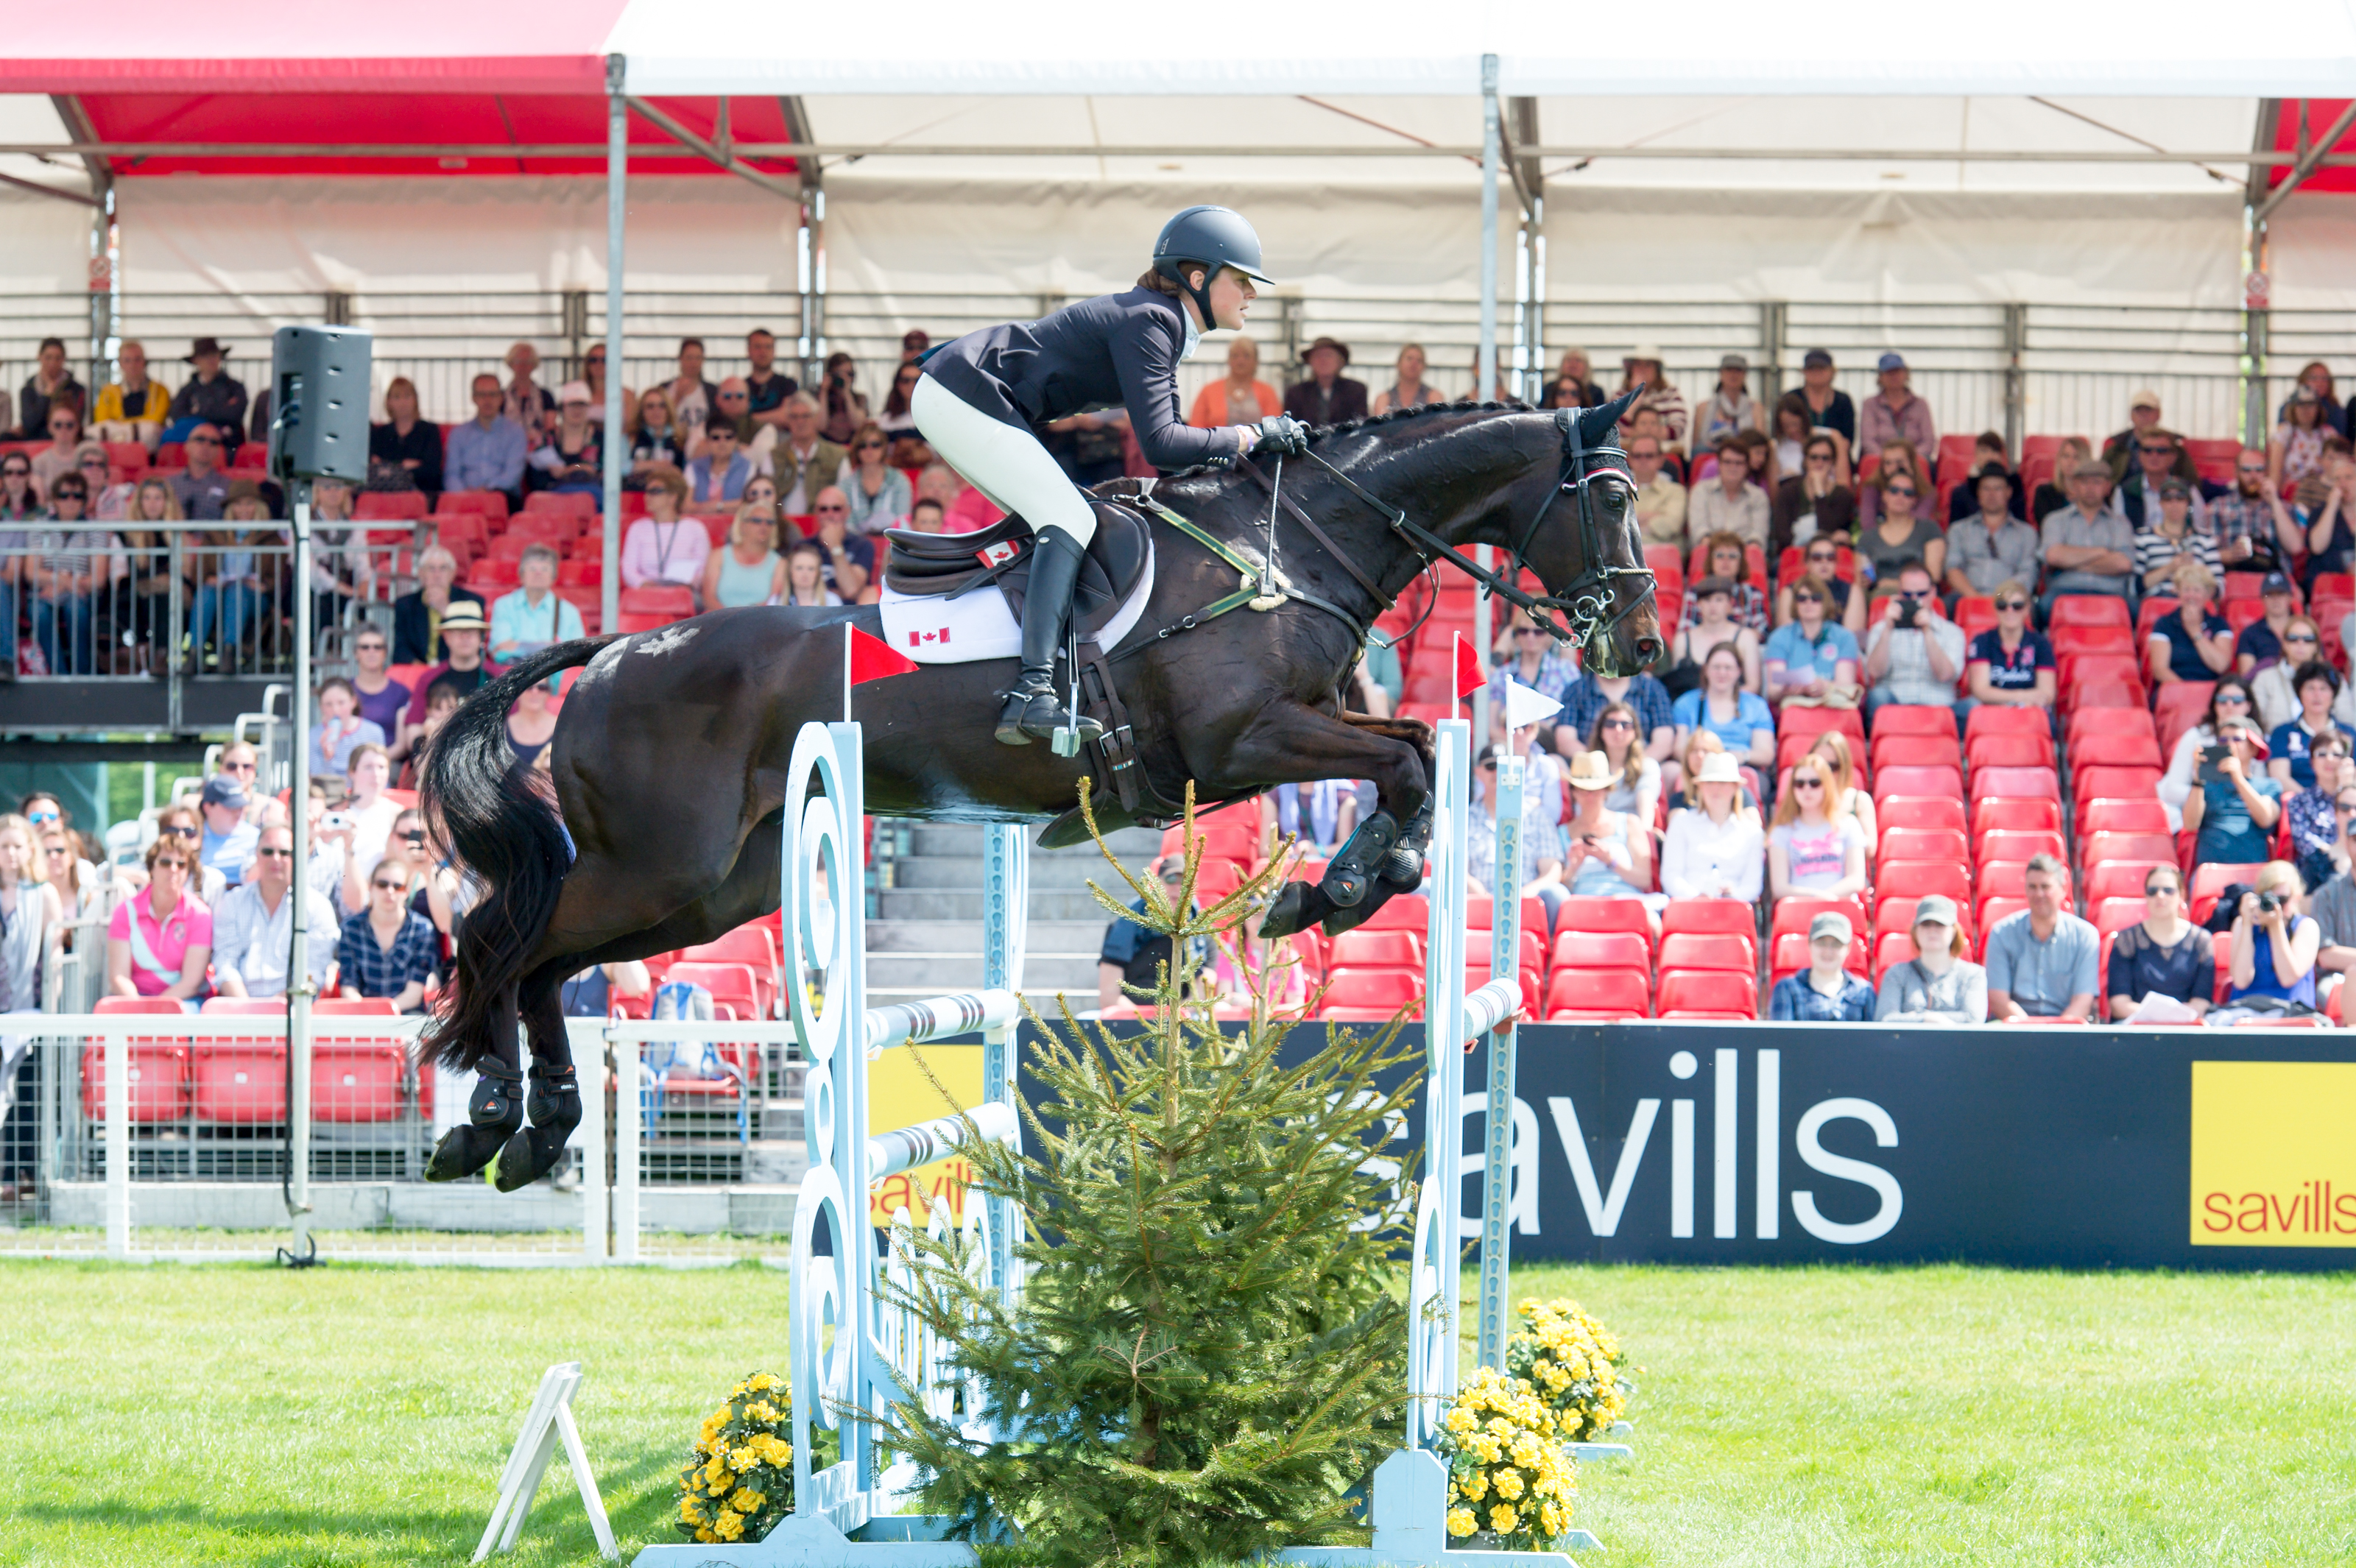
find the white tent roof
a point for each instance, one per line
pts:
(2304, 47)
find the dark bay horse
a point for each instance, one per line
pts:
(670, 754)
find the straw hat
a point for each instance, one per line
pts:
(1594, 770)
(1717, 767)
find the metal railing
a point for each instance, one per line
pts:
(2025, 368)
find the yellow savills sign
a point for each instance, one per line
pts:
(2274, 1154)
(898, 1095)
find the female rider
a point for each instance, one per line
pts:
(982, 399)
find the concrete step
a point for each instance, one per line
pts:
(955, 936)
(966, 871)
(965, 906)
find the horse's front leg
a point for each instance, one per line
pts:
(1295, 743)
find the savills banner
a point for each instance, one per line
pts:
(1731, 1143)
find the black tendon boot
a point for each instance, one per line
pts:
(1352, 872)
(536, 1150)
(1035, 707)
(493, 1112)
(1403, 866)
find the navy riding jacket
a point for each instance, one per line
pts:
(1115, 350)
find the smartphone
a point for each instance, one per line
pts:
(335, 819)
(2211, 755)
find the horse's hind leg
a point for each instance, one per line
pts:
(554, 1103)
(494, 1111)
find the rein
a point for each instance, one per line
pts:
(1584, 601)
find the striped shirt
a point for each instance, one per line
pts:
(2154, 548)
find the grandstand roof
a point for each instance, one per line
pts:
(2020, 95)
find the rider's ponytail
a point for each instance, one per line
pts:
(1162, 284)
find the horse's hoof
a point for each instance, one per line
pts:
(462, 1152)
(528, 1155)
(1290, 911)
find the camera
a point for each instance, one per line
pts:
(2269, 902)
(1908, 615)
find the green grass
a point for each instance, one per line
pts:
(237, 1414)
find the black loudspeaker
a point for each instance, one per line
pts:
(319, 403)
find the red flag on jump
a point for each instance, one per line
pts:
(873, 658)
(1470, 677)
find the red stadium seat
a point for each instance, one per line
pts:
(2113, 914)
(1901, 720)
(2018, 844)
(2120, 878)
(545, 527)
(492, 504)
(1580, 914)
(2011, 752)
(2017, 816)
(371, 504)
(2110, 696)
(2126, 816)
(2080, 641)
(1991, 912)
(1706, 950)
(653, 605)
(238, 1083)
(1401, 911)
(2179, 708)
(1376, 950)
(1991, 719)
(1793, 913)
(2132, 748)
(2090, 610)
(1946, 844)
(1601, 949)
(1943, 781)
(1370, 996)
(1816, 720)
(1896, 912)
(1709, 994)
(1919, 811)
(1599, 995)
(2211, 879)
(1914, 879)
(2116, 784)
(492, 576)
(1727, 916)
(2090, 670)
(2115, 846)
(732, 986)
(2015, 783)
(1917, 750)
(753, 946)
(158, 1068)
(1890, 949)
(578, 502)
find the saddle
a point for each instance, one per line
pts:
(949, 566)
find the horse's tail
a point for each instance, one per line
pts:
(502, 825)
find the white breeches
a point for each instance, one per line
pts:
(1004, 463)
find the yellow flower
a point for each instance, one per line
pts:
(746, 1500)
(742, 1459)
(1475, 1486)
(730, 1525)
(1509, 1484)
(1463, 1521)
(1461, 1420)
(760, 1411)
(1502, 1518)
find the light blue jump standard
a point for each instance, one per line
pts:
(848, 1515)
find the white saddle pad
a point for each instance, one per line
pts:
(980, 626)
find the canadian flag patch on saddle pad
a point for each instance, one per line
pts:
(978, 625)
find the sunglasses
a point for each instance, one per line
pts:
(1529, 631)
(369, 647)
(59, 492)
(92, 462)
(1823, 457)
(1907, 490)
(1807, 597)
(825, 511)
(415, 835)
(201, 441)
(60, 851)
(1913, 595)
(2250, 468)
(2298, 636)
(388, 887)
(247, 767)
(1815, 556)
(1488, 767)
(1807, 782)
(2156, 451)
(15, 472)
(2157, 888)
(1619, 724)
(275, 854)
(184, 832)
(2225, 700)
(171, 865)
(38, 817)
(2012, 603)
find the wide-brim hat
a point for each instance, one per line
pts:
(1592, 771)
(464, 616)
(1335, 344)
(1642, 352)
(203, 347)
(1719, 767)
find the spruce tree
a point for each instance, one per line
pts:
(1206, 1356)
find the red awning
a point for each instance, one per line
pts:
(271, 87)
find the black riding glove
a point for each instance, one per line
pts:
(1284, 435)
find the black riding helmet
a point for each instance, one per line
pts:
(1211, 238)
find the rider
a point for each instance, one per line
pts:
(982, 397)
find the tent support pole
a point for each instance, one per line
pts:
(1485, 375)
(617, 173)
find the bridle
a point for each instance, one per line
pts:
(1586, 602)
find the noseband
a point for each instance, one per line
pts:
(1587, 602)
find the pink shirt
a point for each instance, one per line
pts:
(665, 552)
(971, 513)
(167, 944)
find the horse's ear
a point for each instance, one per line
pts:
(1596, 425)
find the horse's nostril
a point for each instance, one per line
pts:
(1647, 649)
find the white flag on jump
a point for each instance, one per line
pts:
(1525, 706)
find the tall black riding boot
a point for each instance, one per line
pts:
(1035, 707)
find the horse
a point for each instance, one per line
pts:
(659, 824)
